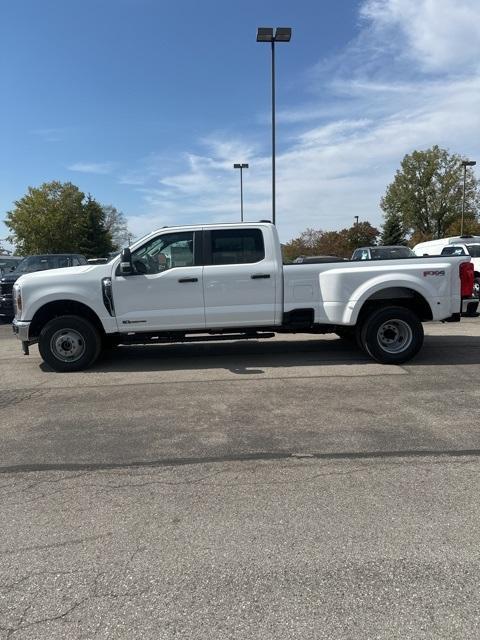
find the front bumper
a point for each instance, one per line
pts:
(469, 307)
(21, 330)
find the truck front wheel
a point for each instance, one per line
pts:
(392, 335)
(69, 343)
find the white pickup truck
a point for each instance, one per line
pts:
(214, 282)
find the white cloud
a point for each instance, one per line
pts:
(101, 168)
(391, 91)
(441, 35)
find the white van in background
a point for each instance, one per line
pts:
(455, 246)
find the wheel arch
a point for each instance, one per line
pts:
(58, 308)
(395, 297)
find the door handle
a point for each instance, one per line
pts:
(258, 276)
(188, 279)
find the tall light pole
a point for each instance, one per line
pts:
(241, 166)
(465, 164)
(265, 34)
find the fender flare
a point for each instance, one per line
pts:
(366, 291)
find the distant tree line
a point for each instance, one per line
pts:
(341, 243)
(59, 218)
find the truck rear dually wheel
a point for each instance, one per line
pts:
(476, 287)
(69, 343)
(392, 335)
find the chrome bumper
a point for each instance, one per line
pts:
(21, 329)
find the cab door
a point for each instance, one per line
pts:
(165, 290)
(239, 278)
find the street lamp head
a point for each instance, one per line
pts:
(264, 34)
(468, 163)
(237, 165)
(283, 34)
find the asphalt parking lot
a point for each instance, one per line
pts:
(281, 489)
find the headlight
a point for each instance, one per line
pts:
(17, 301)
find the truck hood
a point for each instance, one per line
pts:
(64, 274)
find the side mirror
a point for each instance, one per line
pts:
(125, 266)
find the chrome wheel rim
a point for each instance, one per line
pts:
(476, 288)
(394, 336)
(67, 345)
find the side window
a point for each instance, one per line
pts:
(237, 246)
(364, 255)
(75, 261)
(164, 252)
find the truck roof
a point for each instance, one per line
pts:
(212, 225)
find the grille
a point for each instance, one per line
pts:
(6, 288)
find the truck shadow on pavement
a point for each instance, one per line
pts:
(252, 357)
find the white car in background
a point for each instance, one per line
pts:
(455, 246)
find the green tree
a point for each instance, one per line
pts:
(362, 234)
(95, 240)
(427, 193)
(393, 232)
(47, 219)
(56, 218)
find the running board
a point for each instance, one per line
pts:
(139, 338)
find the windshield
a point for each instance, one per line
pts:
(41, 263)
(8, 264)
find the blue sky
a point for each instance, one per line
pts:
(146, 104)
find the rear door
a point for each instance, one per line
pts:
(239, 278)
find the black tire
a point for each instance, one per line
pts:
(69, 343)
(392, 335)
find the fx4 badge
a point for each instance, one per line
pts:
(439, 272)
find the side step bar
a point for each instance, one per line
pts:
(140, 338)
